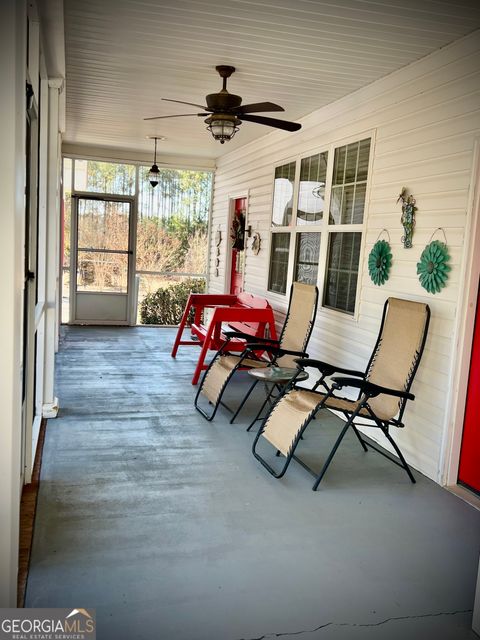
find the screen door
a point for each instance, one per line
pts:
(102, 262)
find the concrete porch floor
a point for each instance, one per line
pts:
(170, 529)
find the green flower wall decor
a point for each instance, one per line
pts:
(379, 262)
(433, 268)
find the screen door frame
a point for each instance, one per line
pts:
(102, 307)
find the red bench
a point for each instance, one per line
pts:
(245, 313)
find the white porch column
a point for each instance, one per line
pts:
(50, 402)
(12, 219)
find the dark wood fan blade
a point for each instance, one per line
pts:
(178, 115)
(272, 122)
(192, 104)
(257, 107)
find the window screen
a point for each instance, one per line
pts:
(350, 168)
(306, 257)
(283, 195)
(311, 189)
(342, 271)
(277, 280)
(104, 177)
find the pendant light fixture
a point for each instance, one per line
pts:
(153, 174)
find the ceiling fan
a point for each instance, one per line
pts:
(225, 112)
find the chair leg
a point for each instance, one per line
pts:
(259, 412)
(331, 454)
(400, 455)
(245, 398)
(350, 422)
(359, 437)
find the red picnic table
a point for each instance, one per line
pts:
(244, 312)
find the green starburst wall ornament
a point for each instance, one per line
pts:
(379, 262)
(433, 268)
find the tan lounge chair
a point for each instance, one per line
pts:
(384, 389)
(263, 353)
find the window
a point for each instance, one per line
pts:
(342, 271)
(347, 204)
(311, 191)
(318, 238)
(349, 183)
(277, 280)
(172, 222)
(104, 177)
(283, 195)
(306, 257)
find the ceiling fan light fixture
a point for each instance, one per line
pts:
(222, 127)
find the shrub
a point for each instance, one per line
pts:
(166, 305)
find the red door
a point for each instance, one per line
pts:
(469, 469)
(237, 234)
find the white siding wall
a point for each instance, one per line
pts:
(426, 118)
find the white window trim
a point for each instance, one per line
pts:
(323, 227)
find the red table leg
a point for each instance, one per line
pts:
(181, 327)
(203, 353)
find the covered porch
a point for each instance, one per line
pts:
(164, 523)
(168, 526)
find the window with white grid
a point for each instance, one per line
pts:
(318, 221)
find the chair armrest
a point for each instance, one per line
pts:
(261, 346)
(289, 352)
(230, 333)
(272, 348)
(370, 388)
(326, 368)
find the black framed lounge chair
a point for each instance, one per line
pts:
(383, 390)
(261, 352)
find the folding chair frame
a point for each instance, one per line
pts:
(367, 390)
(255, 349)
(248, 353)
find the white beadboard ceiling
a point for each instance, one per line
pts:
(123, 56)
